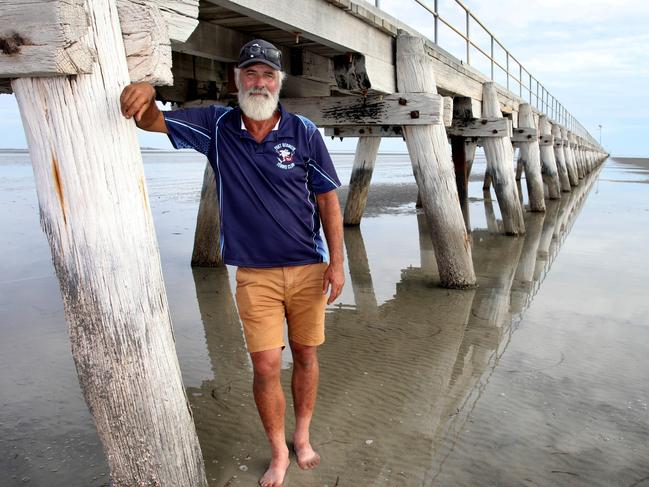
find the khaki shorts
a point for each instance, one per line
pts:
(266, 297)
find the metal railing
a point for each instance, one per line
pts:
(529, 87)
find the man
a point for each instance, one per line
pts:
(275, 181)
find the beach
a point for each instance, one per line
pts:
(536, 377)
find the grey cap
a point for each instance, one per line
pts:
(260, 51)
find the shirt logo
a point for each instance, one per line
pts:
(285, 153)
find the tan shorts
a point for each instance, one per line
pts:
(266, 297)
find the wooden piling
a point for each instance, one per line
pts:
(359, 272)
(578, 156)
(560, 158)
(95, 212)
(207, 236)
(367, 149)
(458, 152)
(548, 162)
(569, 157)
(431, 163)
(500, 156)
(531, 160)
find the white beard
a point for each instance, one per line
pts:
(258, 107)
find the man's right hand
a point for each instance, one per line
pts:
(138, 101)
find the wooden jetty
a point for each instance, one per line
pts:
(352, 69)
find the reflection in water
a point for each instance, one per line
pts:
(399, 380)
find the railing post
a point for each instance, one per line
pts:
(492, 57)
(437, 25)
(468, 38)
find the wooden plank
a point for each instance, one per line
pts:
(330, 26)
(146, 42)
(44, 38)
(448, 111)
(524, 134)
(309, 65)
(181, 17)
(213, 42)
(481, 127)
(198, 68)
(546, 140)
(365, 131)
(397, 109)
(298, 87)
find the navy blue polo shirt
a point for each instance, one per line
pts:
(269, 214)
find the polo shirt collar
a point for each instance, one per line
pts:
(284, 128)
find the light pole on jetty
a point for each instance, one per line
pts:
(67, 73)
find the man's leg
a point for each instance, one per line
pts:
(271, 405)
(304, 386)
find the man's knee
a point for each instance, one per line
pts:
(266, 364)
(305, 356)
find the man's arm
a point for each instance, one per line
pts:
(138, 101)
(332, 223)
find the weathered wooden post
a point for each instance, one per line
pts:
(578, 156)
(531, 159)
(367, 149)
(500, 156)
(95, 212)
(458, 152)
(570, 161)
(431, 163)
(560, 158)
(359, 272)
(207, 246)
(548, 162)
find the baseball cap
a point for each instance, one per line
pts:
(260, 51)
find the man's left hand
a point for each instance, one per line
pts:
(334, 278)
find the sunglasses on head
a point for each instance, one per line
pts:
(268, 53)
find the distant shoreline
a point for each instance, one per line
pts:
(148, 150)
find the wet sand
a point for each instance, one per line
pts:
(537, 377)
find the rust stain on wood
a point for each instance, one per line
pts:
(11, 44)
(58, 186)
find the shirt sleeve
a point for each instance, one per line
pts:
(322, 173)
(192, 128)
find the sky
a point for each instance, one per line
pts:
(590, 54)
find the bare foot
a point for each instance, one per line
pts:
(274, 476)
(307, 457)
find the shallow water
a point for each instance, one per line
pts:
(537, 377)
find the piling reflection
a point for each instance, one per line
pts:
(399, 380)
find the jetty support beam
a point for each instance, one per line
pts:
(459, 154)
(560, 158)
(367, 149)
(95, 213)
(500, 157)
(431, 162)
(530, 160)
(548, 162)
(207, 237)
(569, 157)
